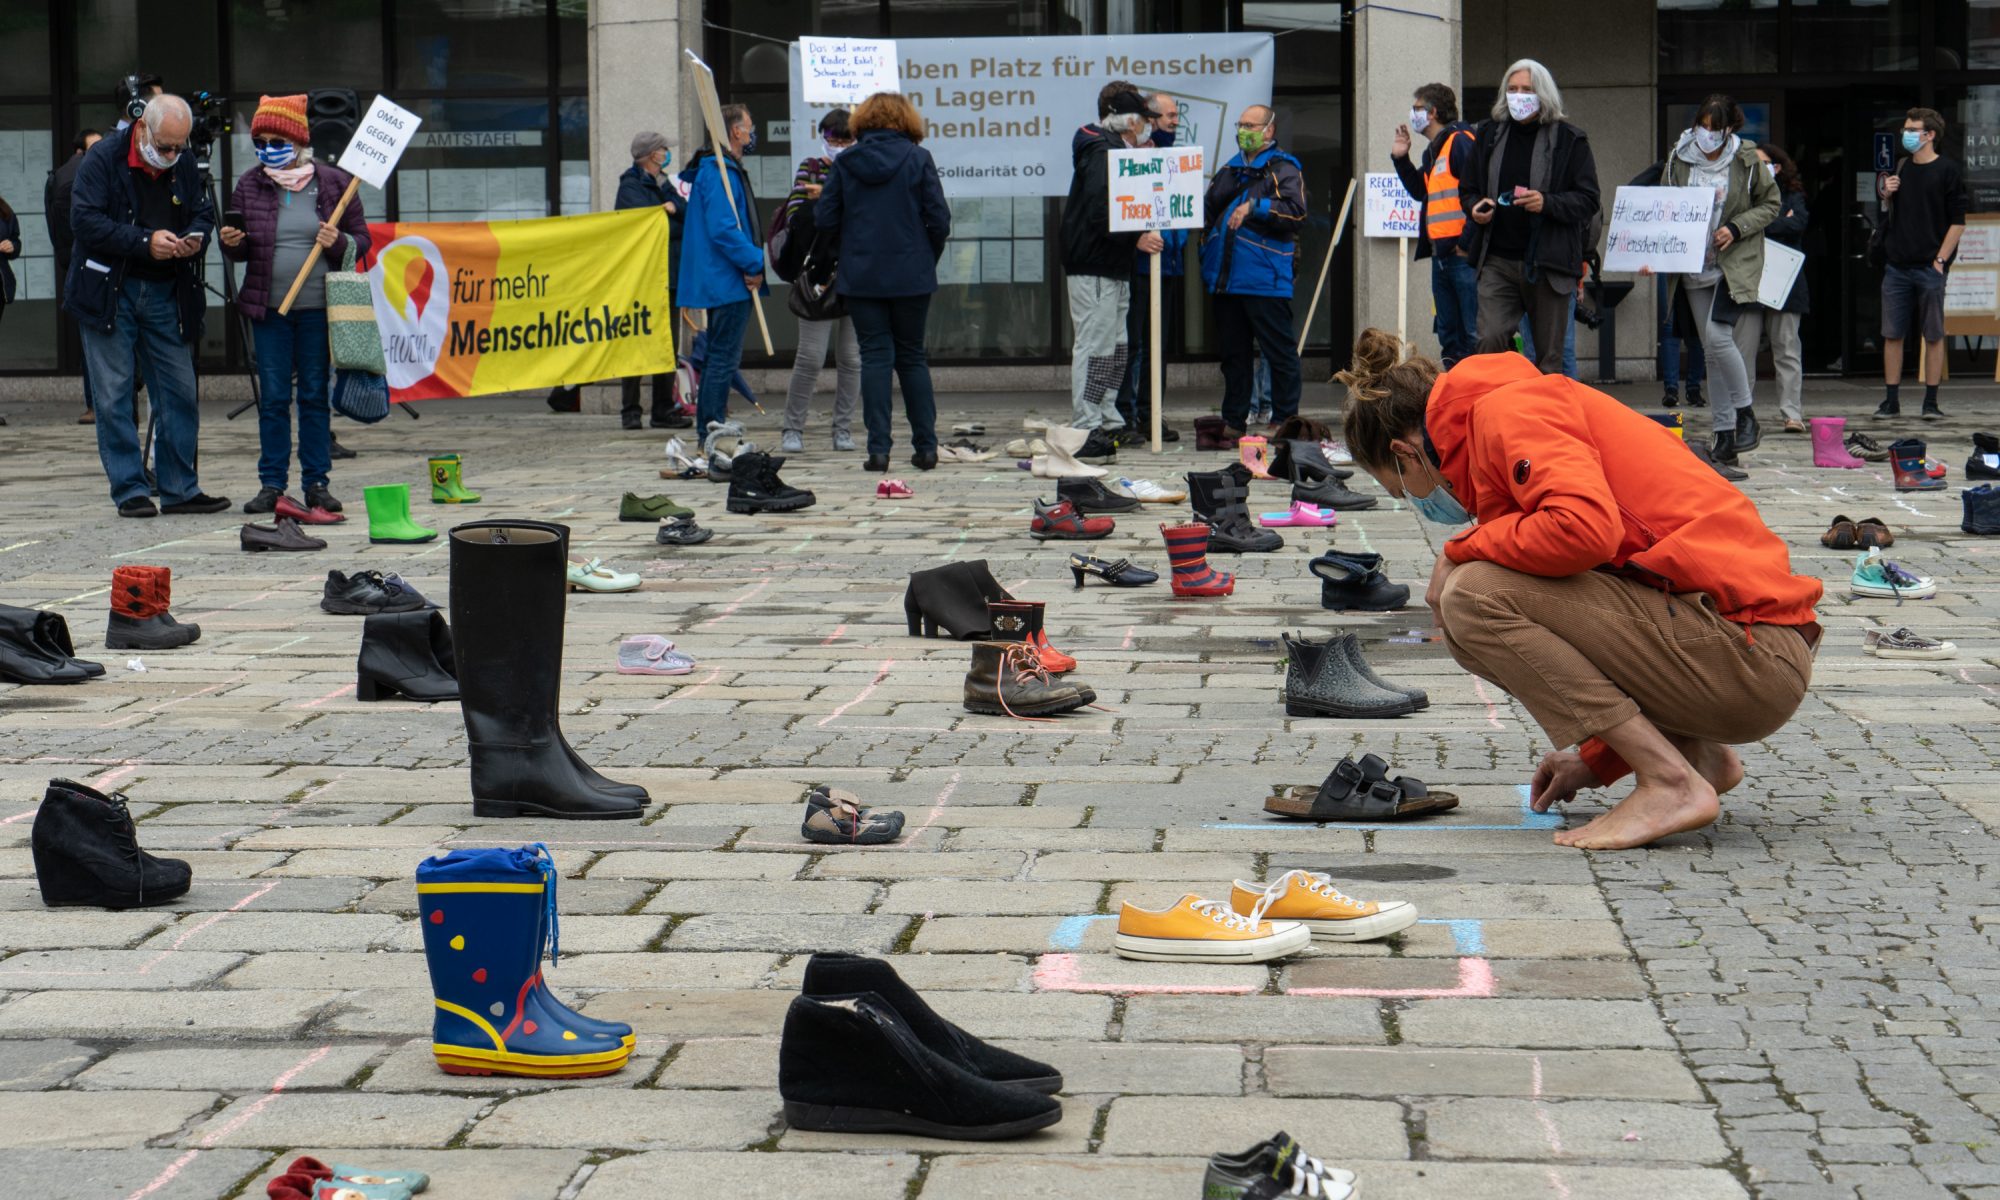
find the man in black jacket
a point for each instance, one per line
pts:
(55, 210)
(141, 218)
(1098, 264)
(1531, 195)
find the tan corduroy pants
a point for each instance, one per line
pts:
(1588, 652)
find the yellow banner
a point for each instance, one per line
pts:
(477, 307)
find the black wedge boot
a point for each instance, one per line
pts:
(87, 852)
(507, 616)
(408, 654)
(952, 598)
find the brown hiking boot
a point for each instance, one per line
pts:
(1007, 679)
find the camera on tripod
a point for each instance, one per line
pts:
(211, 120)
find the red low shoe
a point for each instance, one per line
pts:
(893, 489)
(288, 507)
(1061, 520)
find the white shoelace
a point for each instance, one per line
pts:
(1228, 918)
(1317, 882)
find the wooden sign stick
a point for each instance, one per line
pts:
(312, 257)
(1339, 227)
(711, 115)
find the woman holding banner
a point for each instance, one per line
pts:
(1711, 155)
(285, 201)
(886, 189)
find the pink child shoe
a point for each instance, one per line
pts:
(651, 654)
(893, 489)
(1301, 514)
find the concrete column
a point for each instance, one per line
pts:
(636, 83)
(1396, 51)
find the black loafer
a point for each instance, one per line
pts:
(197, 504)
(138, 506)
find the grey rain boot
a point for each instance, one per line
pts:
(1350, 645)
(1320, 682)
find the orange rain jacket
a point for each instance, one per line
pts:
(1564, 479)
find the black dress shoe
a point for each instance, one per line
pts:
(877, 463)
(629, 419)
(138, 506)
(336, 450)
(922, 460)
(1749, 435)
(197, 504)
(283, 534)
(264, 501)
(318, 497)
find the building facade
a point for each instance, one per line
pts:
(528, 107)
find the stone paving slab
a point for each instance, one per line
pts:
(96, 1174)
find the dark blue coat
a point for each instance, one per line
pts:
(636, 189)
(885, 188)
(10, 231)
(103, 214)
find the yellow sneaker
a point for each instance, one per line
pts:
(1310, 898)
(1197, 930)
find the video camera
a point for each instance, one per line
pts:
(211, 120)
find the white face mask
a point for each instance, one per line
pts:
(1708, 141)
(1772, 168)
(1522, 105)
(832, 151)
(1420, 119)
(154, 159)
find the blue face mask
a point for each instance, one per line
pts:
(277, 157)
(750, 147)
(1440, 507)
(1913, 140)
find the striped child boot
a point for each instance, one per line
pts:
(1187, 549)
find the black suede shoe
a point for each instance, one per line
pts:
(86, 852)
(830, 976)
(1091, 496)
(198, 504)
(264, 501)
(138, 506)
(853, 1065)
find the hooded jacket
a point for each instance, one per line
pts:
(1088, 245)
(1564, 479)
(1749, 203)
(1254, 259)
(885, 190)
(723, 240)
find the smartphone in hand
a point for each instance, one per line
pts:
(232, 219)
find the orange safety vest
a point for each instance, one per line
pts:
(1443, 216)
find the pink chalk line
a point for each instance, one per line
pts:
(1549, 1132)
(235, 1123)
(682, 693)
(1063, 973)
(729, 609)
(1492, 709)
(881, 673)
(200, 925)
(1127, 643)
(113, 775)
(342, 690)
(833, 637)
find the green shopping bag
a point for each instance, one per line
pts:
(355, 343)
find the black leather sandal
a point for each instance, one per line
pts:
(1360, 792)
(1118, 574)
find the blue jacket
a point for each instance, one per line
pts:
(10, 231)
(103, 214)
(1173, 263)
(720, 247)
(1256, 258)
(885, 188)
(636, 189)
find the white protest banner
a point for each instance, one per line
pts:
(1664, 228)
(385, 131)
(378, 142)
(1781, 269)
(999, 112)
(1156, 189)
(1388, 210)
(846, 71)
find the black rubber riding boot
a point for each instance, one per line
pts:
(507, 616)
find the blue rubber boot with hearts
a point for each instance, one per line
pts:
(487, 917)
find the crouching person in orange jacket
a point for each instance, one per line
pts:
(1613, 583)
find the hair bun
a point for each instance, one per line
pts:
(1376, 352)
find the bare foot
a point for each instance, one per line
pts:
(1651, 812)
(1717, 763)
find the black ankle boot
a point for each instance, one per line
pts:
(1982, 510)
(1748, 434)
(87, 852)
(831, 976)
(507, 616)
(854, 1065)
(1222, 503)
(952, 598)
(1355, 582)
(408, 654)
(35, 647)
(1722, 446)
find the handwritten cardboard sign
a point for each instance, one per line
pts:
(846, 70)
(1155, 189)
(1662, 228)
(385, 131)
(1387, 209)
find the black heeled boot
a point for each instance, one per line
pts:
(952, 598)
(408, 654)
(507, 612)
(87, 853)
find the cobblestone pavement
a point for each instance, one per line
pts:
(1802, 1002)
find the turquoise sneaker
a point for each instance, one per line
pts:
(1875, 575)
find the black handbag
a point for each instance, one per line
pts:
(812, 297)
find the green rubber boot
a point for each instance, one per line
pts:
(389, 515)
(447, 487)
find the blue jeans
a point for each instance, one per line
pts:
(145, 337)
(891, 332)
(288, 346)
(727, 324)
(1569, 340)
(1455, 297)
(1671, 347)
